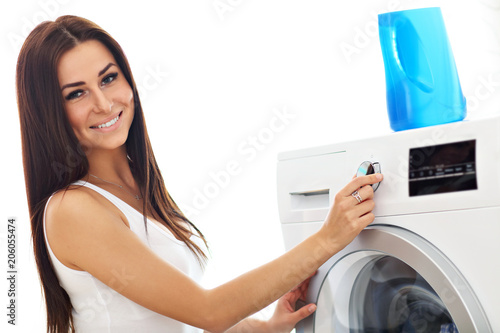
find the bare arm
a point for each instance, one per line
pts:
(249, 325)
(81, 230)
(285, 316)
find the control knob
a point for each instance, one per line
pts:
(368, 168)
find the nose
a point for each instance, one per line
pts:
(101, 103)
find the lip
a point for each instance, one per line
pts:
(110, 128)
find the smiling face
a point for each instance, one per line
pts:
(98, 100)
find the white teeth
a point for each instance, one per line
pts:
(109, 123)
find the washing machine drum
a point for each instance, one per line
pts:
(391, 280)
(390, 296)
(383, 295)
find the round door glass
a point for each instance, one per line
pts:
(368, 291)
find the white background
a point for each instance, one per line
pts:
(213, 77)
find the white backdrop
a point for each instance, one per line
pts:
(226, 85)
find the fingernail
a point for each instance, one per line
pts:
(311, 308)
(379, 176)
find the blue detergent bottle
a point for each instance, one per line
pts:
(423, 88)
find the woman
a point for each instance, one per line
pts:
(113, 250)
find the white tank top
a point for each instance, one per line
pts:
(97, 308)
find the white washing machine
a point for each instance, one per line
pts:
(430, 262)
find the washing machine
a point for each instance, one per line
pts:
(430, 261)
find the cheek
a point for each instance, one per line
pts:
(76, 118)
(130, 97)
(124, 95)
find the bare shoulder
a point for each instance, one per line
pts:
(72, 204)
(70, 200)
(73, 216)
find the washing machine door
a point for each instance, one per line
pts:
(392, 280)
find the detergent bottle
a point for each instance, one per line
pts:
(423, 88)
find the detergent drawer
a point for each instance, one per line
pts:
(307, 186)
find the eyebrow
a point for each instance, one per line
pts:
(79, 83)
(105, 68)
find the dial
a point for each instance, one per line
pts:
(368, 168)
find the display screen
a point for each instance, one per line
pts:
(443, 168)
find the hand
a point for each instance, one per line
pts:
(348, 217)
(285, 317)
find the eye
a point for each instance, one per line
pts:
(74, 94)
(109, 78)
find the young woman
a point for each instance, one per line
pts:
(113, 250)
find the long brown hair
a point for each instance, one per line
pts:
(53, 158)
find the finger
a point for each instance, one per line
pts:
(363, 208)
(366, 219)
(303, 312)
(292, 296)
(303, 290)
(305, 285)
(359, 196)
(360, 181)
(365, 193)
(287, 304)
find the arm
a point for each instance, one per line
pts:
(248, 325)
(85, 234)
(285, 316)
(274, 325)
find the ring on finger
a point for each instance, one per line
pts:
(356, 195)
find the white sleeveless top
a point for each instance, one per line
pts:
(97, 308)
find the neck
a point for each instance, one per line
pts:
(111, 165)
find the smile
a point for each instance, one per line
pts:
(109, 123)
